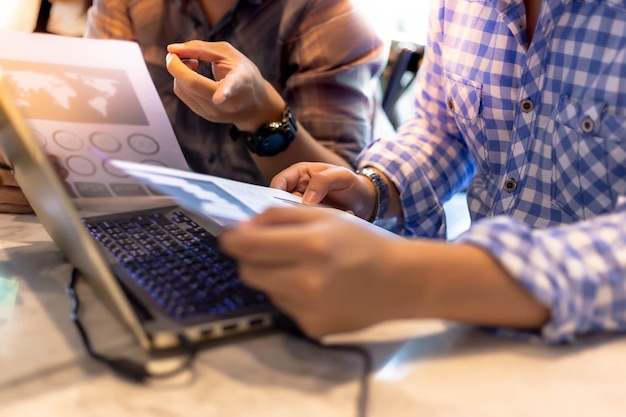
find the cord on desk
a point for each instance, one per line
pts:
(363, 397)
(288, 325)
(123, 367)
(137, 372)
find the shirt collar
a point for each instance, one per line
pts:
(182, 4)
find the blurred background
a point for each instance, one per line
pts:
(402, 23)
(399, 20)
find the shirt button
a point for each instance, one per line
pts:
(510, 185)
(451, 104)
(527, 106)
(587, 125)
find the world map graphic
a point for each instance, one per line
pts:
(72, 94)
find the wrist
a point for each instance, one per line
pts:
(268, 110)
(408, 291)
(367, 209)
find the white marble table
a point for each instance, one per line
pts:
(427, 368)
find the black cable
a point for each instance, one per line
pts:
(125, 368)
(137, 372)
(289, 326)
(363, 397)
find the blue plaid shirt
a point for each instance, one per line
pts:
(538, 136)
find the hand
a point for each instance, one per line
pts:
(239, 94)
(317, 265)
(12, 199)
(335, 186)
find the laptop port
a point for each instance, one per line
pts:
(229, 327)
(206, 332)
(256, 322)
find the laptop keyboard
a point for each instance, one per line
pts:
(176, 261)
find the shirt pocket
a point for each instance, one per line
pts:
(589, 158)
(463, 98)
(464, 102)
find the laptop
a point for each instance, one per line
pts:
(137, 256)
(139, 227)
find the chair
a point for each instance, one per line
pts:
(402, 69)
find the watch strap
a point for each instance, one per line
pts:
(382, 192)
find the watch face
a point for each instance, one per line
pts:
(272, 138)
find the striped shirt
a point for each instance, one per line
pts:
(537, 134)
(319, 54)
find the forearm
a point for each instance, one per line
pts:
(303, 148)
(577, 269)
(461, 283)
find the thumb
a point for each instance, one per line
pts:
(332, 179)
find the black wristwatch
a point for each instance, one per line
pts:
(272, 138)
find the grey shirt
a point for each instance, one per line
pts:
(321, 55)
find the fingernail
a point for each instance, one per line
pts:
(219, 99)
(310, 197)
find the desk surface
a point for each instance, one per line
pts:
(426, 368)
